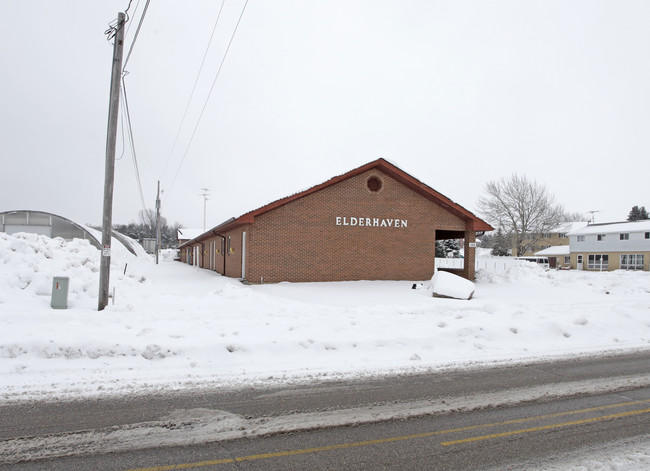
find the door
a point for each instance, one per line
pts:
(579, 262)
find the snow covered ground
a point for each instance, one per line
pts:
(173, 326)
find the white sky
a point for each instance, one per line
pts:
(456, 93)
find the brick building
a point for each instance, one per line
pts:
(375, 222)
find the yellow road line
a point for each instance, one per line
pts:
(342, 446)
(547, 427)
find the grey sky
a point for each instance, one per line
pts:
(454, 93)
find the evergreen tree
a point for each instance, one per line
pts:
(448, 248)
(637, 214)
(486, 241)
(500, 244)
(452, 247)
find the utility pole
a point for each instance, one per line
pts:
(205, 195)
(113, 108)
(158, 223)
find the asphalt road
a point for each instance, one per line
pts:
(457, 419)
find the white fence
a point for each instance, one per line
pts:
(496, 264)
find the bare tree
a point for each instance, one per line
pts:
(147, 218)
(521, 208)
(576, 216)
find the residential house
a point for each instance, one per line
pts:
(611, 246)
(555, 238)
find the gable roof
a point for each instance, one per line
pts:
(474, 223)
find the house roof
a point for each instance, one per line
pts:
(569, 227)
(188, 234)
(555, 250)
(614, 227)
(384, 166)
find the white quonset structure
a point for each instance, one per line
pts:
(52, 225)
(43, 223)
(611, 246)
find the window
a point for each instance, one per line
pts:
(647, 235)
(581, 238)
(546, 235)
(625, 236)
(567, 259)
(598, 262)
(600, 237)
(632, 261)
(563, 235)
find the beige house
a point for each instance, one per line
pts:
(557, 238)
(611, 246)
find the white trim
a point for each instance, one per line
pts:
(243, 255)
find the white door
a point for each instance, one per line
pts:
(579, 262)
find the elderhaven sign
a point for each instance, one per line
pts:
(370, 222)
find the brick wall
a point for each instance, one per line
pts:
(301, 240)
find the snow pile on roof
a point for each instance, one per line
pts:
(555, 250)
(175, 326)
(615, 227)
(189, 234)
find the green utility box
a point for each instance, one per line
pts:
(60, 292)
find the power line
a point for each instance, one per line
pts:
(205, 104)
(126, 12)
(137, 5)
(135, 160)
(137, 31)
(196, 81)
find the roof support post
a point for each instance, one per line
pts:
(469, 262)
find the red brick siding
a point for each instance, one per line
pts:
(300, 241)
(469, 263)
(233, 256)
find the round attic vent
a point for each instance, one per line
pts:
(374, 184)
